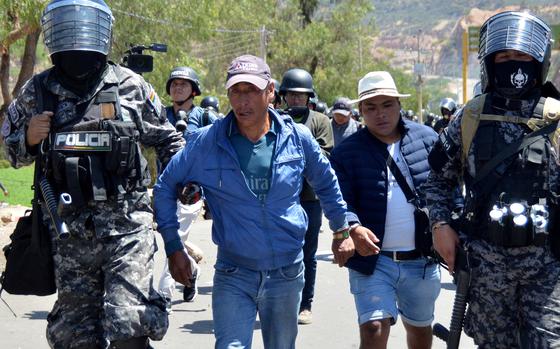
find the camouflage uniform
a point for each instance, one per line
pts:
(104, 270)
(515, 291)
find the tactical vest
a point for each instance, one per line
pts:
(523, 177)
(97, 154)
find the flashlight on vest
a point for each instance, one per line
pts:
(539, 216)
(518, 210)
(496, 214)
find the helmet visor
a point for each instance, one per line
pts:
(77, 27)
(515, 31)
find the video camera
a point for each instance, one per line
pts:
(138, 62)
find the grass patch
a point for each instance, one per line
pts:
(18, 182)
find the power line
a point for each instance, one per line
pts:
(234, 52)
(160, 21)
(228, 39)
(211, 48)
(173, 24)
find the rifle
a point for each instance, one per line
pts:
(49, 199)
(462, 278)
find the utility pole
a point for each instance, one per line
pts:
(418, 70)
(263, 43)
(360, 51)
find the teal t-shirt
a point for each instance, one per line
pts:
(255, 159)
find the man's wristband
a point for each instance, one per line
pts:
(342, 234)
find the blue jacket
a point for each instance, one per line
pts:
(361, 169)
(250, 233)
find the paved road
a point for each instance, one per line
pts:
(334, 324)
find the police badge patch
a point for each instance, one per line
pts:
(13, 114)
(154, 101)
(6, 128)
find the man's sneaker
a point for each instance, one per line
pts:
(305, 317)
(190, 292)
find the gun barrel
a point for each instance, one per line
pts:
(459, 307)
(64, 204)
(60, 227)
(441, 332)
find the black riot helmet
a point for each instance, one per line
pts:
(277, 99)
(297, 80)
(448, 104)
(518, 31)
(77, 25)
(210, 102)
(321, 107)
(186, 73)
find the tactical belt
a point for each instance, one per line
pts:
(513, 236)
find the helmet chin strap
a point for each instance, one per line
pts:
(180, 103)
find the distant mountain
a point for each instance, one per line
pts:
(407, 16)
(406, 27)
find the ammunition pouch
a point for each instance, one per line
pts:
(101, 161)
(510, 235)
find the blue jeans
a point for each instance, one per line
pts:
(314, 215)
(240, 293)
(408, 288)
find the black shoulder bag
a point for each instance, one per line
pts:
(422, 234)
(29, 260)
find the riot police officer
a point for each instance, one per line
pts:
(210, 102)
(504, 146)
(277, 100)
(321, 107)
(84, 121)
(447, 106)
(296, 89)
(212, 105)
(183, 85)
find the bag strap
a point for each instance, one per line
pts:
(410, 193)
(512, 149)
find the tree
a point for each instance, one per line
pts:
(22, 23)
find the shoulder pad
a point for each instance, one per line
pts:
(470, 121)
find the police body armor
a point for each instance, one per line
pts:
(96, 155)
(523, 178)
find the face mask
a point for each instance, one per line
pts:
(514, 79)
(79, 64)
(79, 70)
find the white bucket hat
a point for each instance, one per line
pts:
(377, 83)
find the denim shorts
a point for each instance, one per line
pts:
(408, 288)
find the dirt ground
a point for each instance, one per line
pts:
(8, 219)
